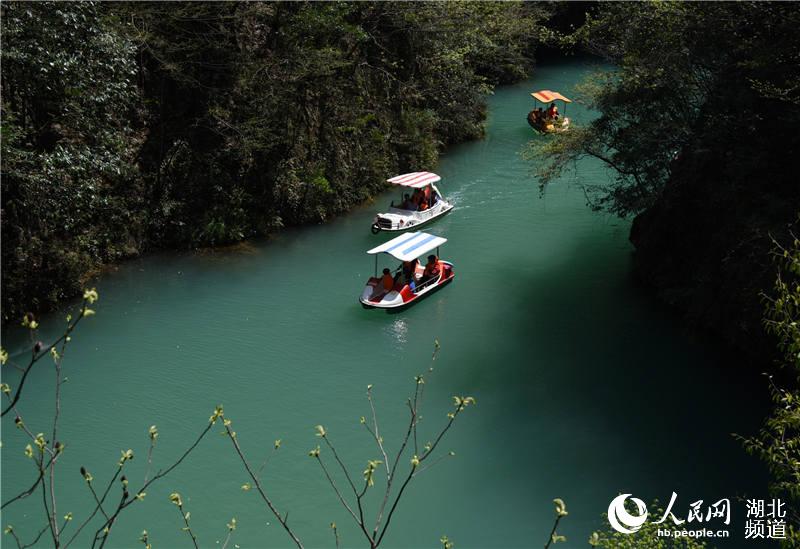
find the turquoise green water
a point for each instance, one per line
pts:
(586, 388)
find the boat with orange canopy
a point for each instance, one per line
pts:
(538, 117)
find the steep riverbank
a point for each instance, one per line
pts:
(706, 246)
(699, 122)
(136, 127)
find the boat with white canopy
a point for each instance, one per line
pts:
(411, 280)
(420, 202)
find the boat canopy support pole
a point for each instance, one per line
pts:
(376, 265)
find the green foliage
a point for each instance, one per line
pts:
(136, 125)
(645, 538)
(783, 312)
(68, 181)
(717, 79)
(778, 443)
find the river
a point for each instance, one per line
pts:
(586, 387)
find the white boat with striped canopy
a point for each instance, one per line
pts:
(411, 280)
(421, 202)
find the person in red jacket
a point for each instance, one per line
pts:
(387, 281)
(384, 286)
(432, 270)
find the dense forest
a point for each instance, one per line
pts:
(129, 127)
(699, 124)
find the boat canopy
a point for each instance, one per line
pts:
(414, 179)
(409, 246)
(547, 96)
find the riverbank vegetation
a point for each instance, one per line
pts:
(778, 443)
(699, 125)
(128, 127)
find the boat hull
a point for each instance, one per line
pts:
(398, 299)
(396, 222)
(549, 128)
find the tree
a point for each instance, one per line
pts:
(697, 124)
(778, 442)
(646, 537)
(67, 150)
(713, 79)
(132, 126)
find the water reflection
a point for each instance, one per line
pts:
(399, 331)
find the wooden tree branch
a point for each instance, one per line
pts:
(335, 534)
(30, 490)
(337, 492)
(257, 482)
(394, 506)
(552, 532)
(99, 504)
(35, 540)
(356, 493)
(104, 531)
(47, 511)
(36, 356)
(139, 494)
(187, 528)
(341, 464)
(460, 405)
(391, 476)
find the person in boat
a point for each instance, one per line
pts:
(417, 197)
(423, 205)
(552, 112)
(408, 270)
(408, 204)
(387, 280)
(384, 286)
(431, 271)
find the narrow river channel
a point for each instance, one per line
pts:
(586, 387)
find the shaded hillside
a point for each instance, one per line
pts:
(128, 127)
(699, 124)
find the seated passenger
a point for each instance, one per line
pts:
(408, 204)
(423, 205)
(384, 285)
(431, 269)
(409, 268)
(552, 112)
(387, 280)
